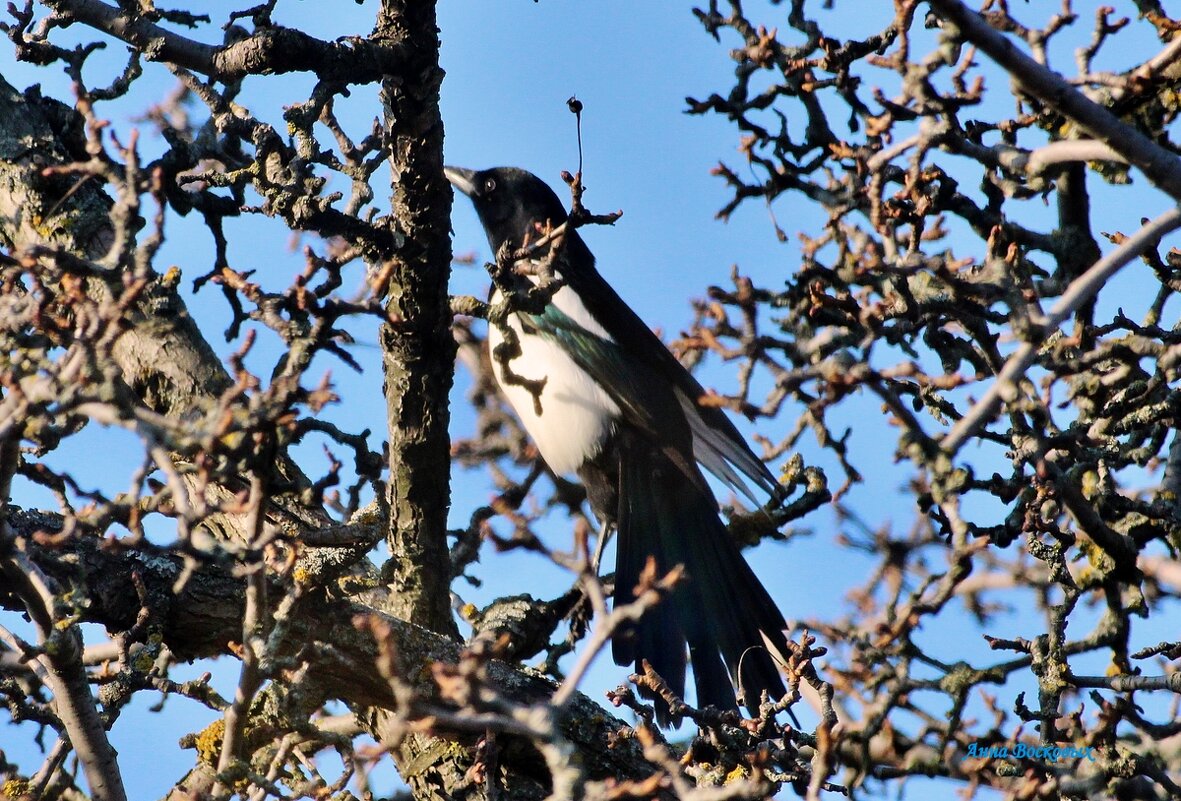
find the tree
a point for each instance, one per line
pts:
(1033, 417)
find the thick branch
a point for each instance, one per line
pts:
(419, 352)
(268, 51)
(162, 355)
(206, 616)
(60, 668)
(1160, 166)
(1080, 290)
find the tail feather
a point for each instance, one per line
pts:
(745, 617)
(721, 610)
(659, 637)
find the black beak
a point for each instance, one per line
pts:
(462, 179)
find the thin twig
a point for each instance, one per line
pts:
(1160, 165)
(1079, 292)
(250, 678)
(61, 669)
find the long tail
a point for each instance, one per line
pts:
(721, 610)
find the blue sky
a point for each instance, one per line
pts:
(510, 69)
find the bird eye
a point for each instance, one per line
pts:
(489, 184)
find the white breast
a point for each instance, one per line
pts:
(576, 414)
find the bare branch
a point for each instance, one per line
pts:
(1079, 292)
(1162, 167)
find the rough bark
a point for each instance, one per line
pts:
(163, 357)
(418, 355)
(162, 354)
(205, 617)
(418, 349)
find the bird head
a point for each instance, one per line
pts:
(511, 202)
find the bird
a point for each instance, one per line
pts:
(617, 409)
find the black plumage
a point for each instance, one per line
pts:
(624, 414)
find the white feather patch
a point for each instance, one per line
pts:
(576, 413)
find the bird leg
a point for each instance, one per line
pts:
(600, 544)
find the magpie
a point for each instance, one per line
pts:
(621, 412)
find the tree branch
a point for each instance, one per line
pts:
(270, 50)
(418, 354)
(1080, 290)
(58, 664)
(207, 615)
(1162, 167)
